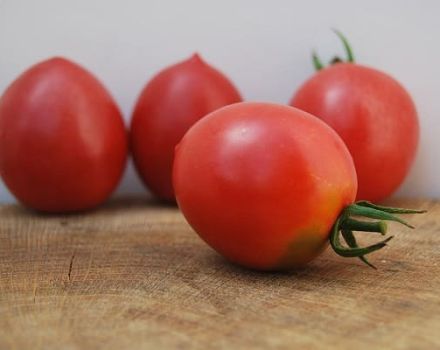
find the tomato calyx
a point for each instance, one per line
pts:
(317, 63)
(346, 224)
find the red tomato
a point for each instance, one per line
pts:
(267, 186)
(263, 184)
(63, 144)
(375, 117)
(168, 106)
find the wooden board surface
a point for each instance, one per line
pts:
(134, 275)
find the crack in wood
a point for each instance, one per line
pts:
(71, 266)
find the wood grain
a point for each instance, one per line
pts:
(134, 275)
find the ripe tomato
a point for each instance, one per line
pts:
(63, 144)
(263, 184)
(267, 185)
(375, 117)
(169, 104)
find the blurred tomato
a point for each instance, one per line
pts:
(168, 106)
(63, 144)
(373, 114)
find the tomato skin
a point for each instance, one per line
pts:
(375, 117)
(168, 106)
(263, 184)
(63, 144)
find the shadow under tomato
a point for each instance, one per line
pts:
(324, 265)
(113, 204)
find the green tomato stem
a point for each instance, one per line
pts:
(345, 225)
(347, 46)
(365, 226)
(350, 239)
(317, 63)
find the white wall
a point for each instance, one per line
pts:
(263, 46)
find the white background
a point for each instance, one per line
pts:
(263, 46)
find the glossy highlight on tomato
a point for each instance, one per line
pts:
(372, 113)
(168, 106)
(63, 144)
(263, 184)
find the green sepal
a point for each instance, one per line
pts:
(390, 209)
(346, 224)
(317, 63)
(350, 239)
(373, 213)
(347, 46)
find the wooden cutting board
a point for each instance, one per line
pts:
(134, 275)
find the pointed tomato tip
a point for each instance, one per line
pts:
(58, 59)
(196, 58)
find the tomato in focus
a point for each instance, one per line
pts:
(263, 184)
(63, 144)
(168, 106)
